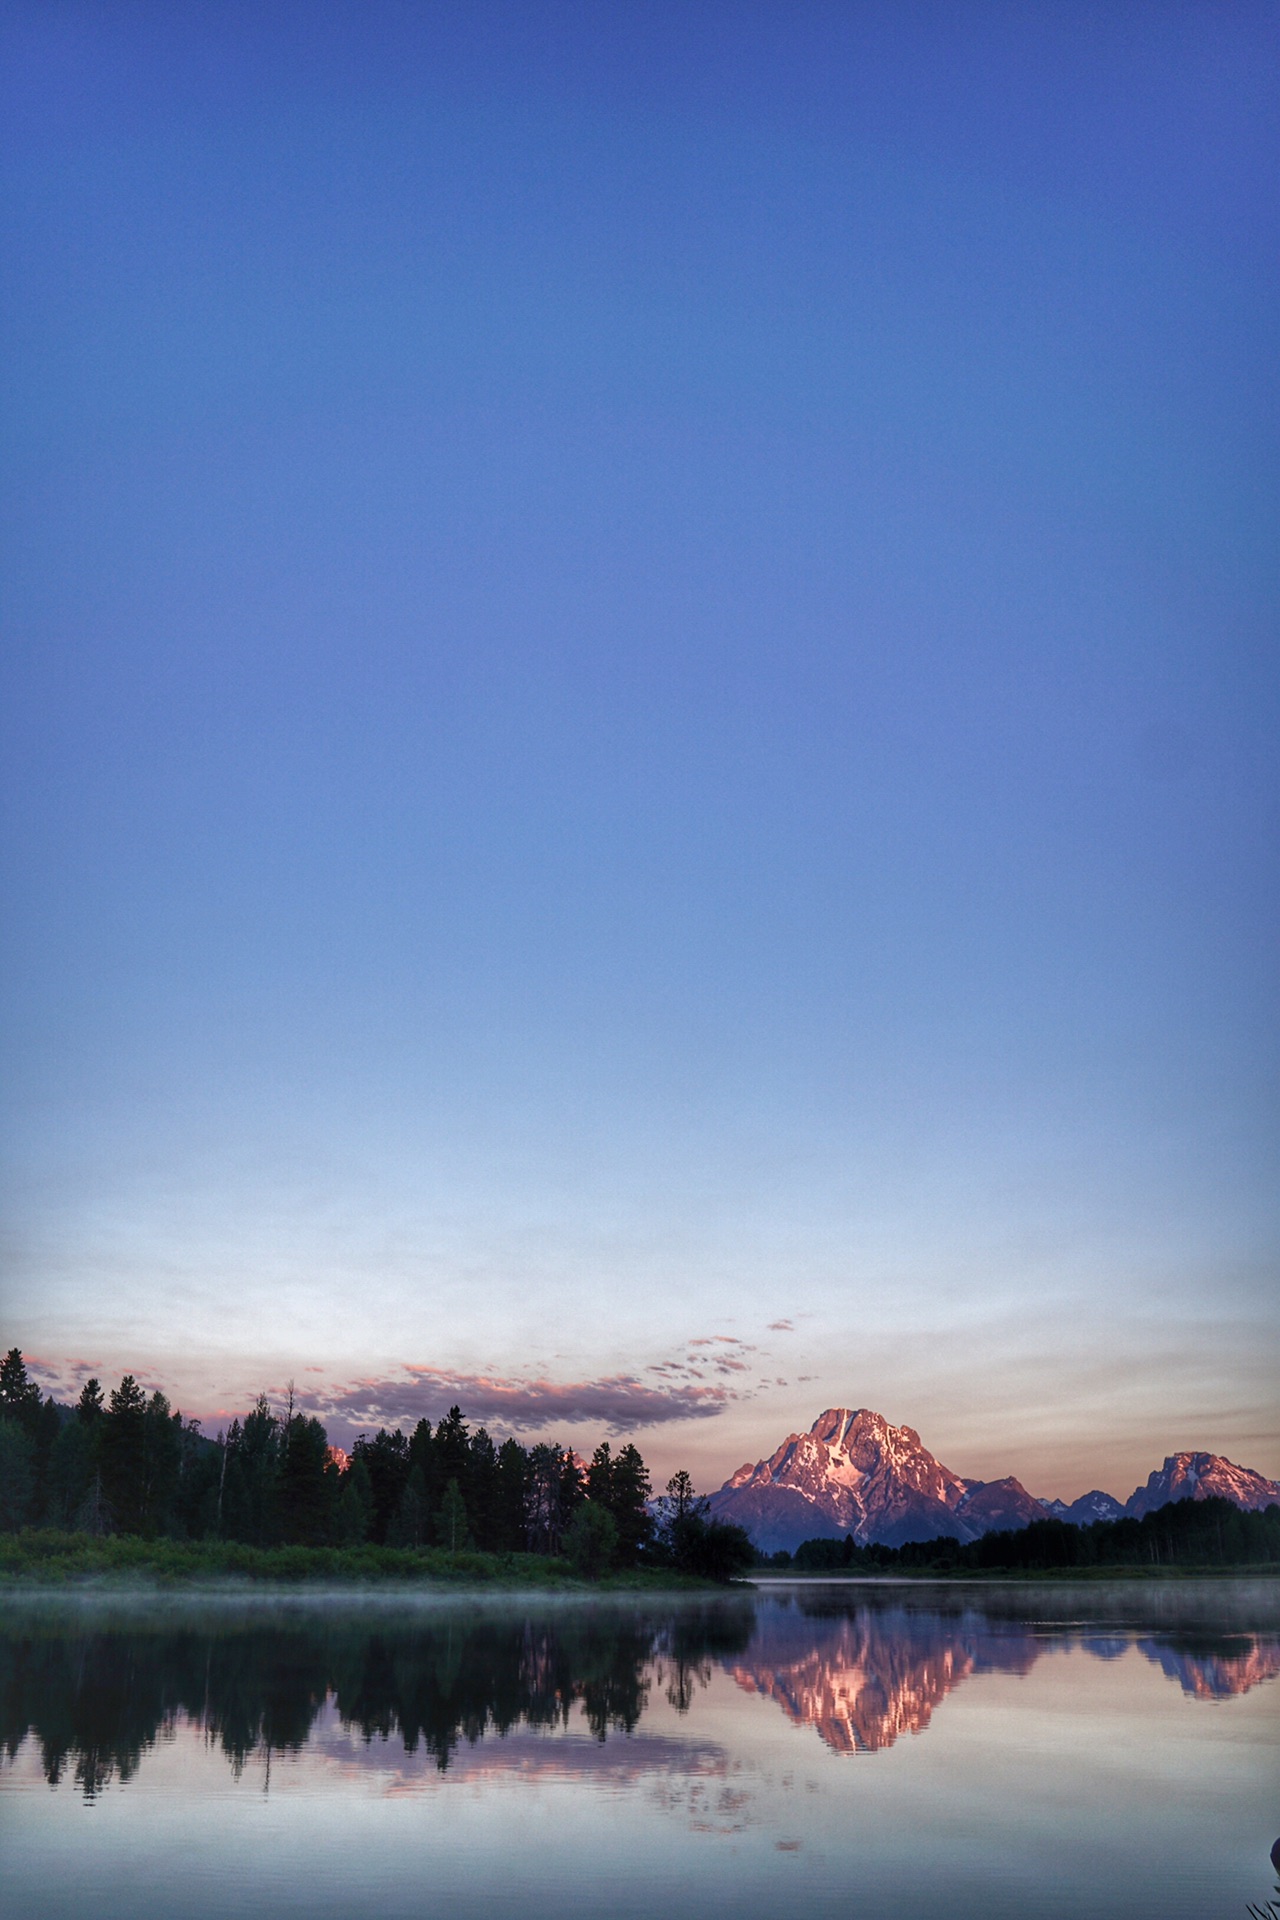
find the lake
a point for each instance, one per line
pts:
(860, 1749)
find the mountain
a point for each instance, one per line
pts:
(854, 1473)
(994, 1506)
(1202, 1476)
(851, 1473)
(1084, 1511)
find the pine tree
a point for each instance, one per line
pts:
(512, 1482)
(124, 1453)
(386, 1460)
(630, 1505)
(355, 1505)
(482, 1490)
(600, 1477)
(89, 1405)
(554, 1490)
(19, 1395)
(162, 1465)
(453, 1449)
(422, 1455)
(249, 1507)
(303, 1488)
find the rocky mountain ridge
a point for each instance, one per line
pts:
(855, 1473)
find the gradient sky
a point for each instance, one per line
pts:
(639, 718)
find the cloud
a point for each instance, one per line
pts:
(782, 1326)
(620, 1402)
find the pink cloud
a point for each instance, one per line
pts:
(620, 1402)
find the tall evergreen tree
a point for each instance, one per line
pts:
(124, 1455)
(162, 1465)
(89, 1407)
(386, 1460)
(355, 1504)
(631, 1492)
(196, 1508)
(554, 1491)
(304, 1489)
(249, 1509)
(482, 1490)
(19, 1395)
(422, 1455)
(453, 1449)
(510, 1498)
(600, 1477)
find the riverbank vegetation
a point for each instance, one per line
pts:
(1189, 1536)
(51, 1557)
(123, 1481)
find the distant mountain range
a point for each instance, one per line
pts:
(853, 1473)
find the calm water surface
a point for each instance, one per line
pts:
(852, 1749)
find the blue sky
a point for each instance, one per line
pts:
(639, 698)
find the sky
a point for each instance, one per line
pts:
(637, 719)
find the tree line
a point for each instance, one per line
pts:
(1185, 1533)
(129, 1463)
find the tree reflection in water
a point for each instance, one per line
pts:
(96, 1697)
(97, 1690)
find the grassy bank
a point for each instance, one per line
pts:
(45, 1557)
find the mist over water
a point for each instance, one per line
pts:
(847, 1747)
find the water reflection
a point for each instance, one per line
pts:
(864, 1674)
(96, 1690)
(375, 1759)
(97, 1695)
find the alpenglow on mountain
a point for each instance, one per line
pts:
(854, 1473)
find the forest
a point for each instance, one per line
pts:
(127, 1464)
(1190, 1534)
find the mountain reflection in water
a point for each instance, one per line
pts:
(864, 1675)
(96, 1691)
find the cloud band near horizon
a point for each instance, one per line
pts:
(619, 1402)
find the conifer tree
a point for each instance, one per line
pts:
(355, 1505)
(386, 1460)
(123, 1455)
(482, 1489)
(89, 1406)
(304, 1490)
(19, 1395)
(511, 1492)
(453, 1448)
(629, 1506)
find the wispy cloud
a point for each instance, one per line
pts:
(620, 1402)
(782, 1326)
